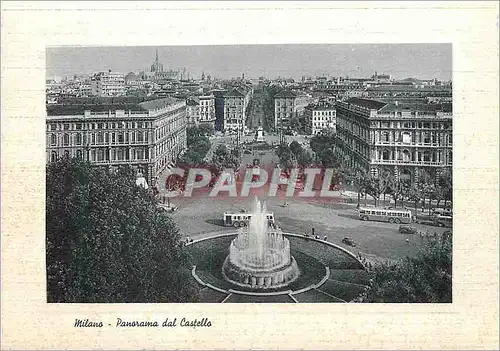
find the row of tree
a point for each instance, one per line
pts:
(225, 159)
(324, 148)
(425, 186)
(106, 241)
(268, 93)
(198, 145)
(293, 155)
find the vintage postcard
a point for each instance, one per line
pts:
(250, 175)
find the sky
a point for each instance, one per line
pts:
(425, 61)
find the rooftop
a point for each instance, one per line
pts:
(366, 103)
(234, 93)
(285, 94)
(322, 106)
(77, 106)
(416, 106)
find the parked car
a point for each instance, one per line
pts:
(407, 229)
(443, 221)
(348, 241)
(442, 211)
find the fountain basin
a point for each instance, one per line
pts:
(272, 278)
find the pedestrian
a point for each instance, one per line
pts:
(312, 231)
(407, 240)
(325, 238)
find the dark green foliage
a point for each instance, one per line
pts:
(268, 105)
(321, 142)
(198, 145)
(107, 242)
(323, 146)
(223, 159)
(286, 156)
(426, 278)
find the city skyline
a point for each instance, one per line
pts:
(424, 61)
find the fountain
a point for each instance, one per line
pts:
(259, 257)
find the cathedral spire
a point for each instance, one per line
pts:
(156, 55)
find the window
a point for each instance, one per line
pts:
(427, 138)
(53, 140)
(385, 155)
(53, 126)
(120, 154)
(79, 153)
(120, 138)
(427, 156)
(53, 156)
(66, 139)
(385, 137)
(78, 126)
(66, 126)
(100, 155)
(78, 138)
(66, 153)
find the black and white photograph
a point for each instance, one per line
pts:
(249, 175)
(311, 173)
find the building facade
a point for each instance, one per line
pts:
(148, 135)
(319, 117)
(219, 108)
(284, 108)
(207, 109)
(234, 111)
(192, 111)
(105, 84)
(401, 138)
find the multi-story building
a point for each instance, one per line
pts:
(284, 108)
(147, 135)
(84, 90)
(192, 111)
(302, 100)
(234, 110)
(207, 109)
(108, 84)
(400, 137)
(320, 117)
(219, 108)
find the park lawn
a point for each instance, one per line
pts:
(343, 290)
(349, 275)
(237, 298)
(211, 296)
(315, 296)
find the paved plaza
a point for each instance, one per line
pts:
(201, 216)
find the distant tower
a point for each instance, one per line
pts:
(243, 76)
(156, 67)
(203, 76)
